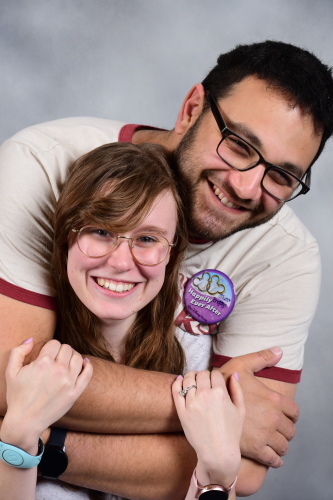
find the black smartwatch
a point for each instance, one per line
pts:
(54, 460)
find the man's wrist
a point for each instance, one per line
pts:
(54, 461)
(45, 435)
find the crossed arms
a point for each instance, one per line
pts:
(138, 450)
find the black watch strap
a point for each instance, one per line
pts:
(57, 437)
(54, 460)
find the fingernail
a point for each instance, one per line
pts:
(276, 350)
(87, 359)
(27, 341)
(179, 376)
(236, 376)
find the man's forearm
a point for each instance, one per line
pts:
(140, 467)
(123, 400)
(143, 467)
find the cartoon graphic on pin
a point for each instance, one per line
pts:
(209, 296)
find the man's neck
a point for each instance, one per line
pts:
(165, 138)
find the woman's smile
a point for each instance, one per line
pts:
(114, 286)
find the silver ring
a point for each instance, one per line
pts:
(184, 391)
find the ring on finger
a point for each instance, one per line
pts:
(183, 392)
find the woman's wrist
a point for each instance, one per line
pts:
(17, 434)
(211, 473)
(197, 490)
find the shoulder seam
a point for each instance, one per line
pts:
(33, 150)
(278, 224)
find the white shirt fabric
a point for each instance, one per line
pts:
(57, 490)
(275, 270)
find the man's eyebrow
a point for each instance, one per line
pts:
(254, 140)
(245, 132)
(293, 169)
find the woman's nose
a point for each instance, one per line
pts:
(121, 257)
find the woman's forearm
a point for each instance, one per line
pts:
(16, 483)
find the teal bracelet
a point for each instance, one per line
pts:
(15, 456)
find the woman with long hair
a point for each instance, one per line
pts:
(119, 239)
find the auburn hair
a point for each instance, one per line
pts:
(115, 186)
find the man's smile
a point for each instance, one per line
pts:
(224, 199)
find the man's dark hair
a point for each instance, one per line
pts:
(299, 75)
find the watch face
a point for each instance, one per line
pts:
(12, 457)
(214, 495)
(54, 463)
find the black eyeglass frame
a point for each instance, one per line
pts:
(225, 132)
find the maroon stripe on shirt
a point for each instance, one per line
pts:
(198, 241)
(32, 298)
(127, 131)
(274, 372)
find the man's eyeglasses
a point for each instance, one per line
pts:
(146, 249)
(241, 155)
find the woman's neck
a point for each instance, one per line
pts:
(115, 333)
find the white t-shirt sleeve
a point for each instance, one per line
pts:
(33, 165)
(27, 201)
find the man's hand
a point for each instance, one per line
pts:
(270, 415)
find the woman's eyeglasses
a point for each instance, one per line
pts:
(146, 249)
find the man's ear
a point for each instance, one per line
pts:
(191, 109)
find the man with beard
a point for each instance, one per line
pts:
(244, 144)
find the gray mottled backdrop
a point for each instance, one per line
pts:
(135, 60)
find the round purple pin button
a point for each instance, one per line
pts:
(209, 296)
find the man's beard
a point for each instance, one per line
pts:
(210, 226)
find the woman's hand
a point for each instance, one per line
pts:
(212, 421)
(41, 392)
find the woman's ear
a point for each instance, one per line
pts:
(191, 109)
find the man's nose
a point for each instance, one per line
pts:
(247, 184)
(121, 258)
